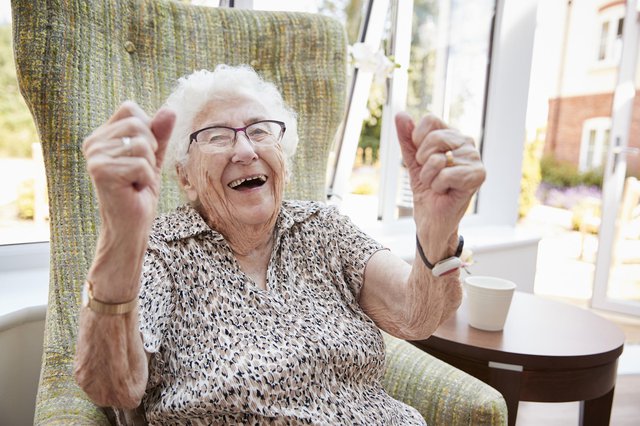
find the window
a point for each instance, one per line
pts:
(617, 42)
(450, 49)
(456, 62)
(450, 44)
(594, 144)
(610, 39)
(348, 12)
(23, 199)
(24, 267)
(446, 50)
(620, 29)
(604, 37)
(449, 65)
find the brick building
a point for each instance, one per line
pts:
(579, 115)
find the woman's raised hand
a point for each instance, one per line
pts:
(124, 157)
(445, 171)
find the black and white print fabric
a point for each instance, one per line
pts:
(226, 352)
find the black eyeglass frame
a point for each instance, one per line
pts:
(193, 136)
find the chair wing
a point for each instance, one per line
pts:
(443, 394)
(78, 60)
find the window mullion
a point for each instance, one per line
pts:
(400, 49)
(442, 57)
(357, 103)
(504, 132)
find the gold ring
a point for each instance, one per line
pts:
(450, 160)
(126, 142)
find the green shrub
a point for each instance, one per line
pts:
(26, 199)
(530, 176)
(563, 174)
(369, 141)
(593, 177)
(370, 135)
(17, 130)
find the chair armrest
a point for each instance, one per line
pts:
(443, 394)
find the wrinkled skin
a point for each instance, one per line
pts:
(245, 217)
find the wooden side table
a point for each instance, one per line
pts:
(548, 352)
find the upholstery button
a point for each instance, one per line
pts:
(129, 46)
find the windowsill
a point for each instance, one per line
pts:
(508, 252)
(399, 235)
(24, 268)
(24, 276)
(604, 65)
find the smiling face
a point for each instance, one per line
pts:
(237, 189)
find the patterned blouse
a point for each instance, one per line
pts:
(224, 351)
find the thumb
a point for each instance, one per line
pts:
(161, 127)
(429, 123)
(404, 128)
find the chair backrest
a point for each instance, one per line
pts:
(78, 60)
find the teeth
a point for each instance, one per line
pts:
(240, 181)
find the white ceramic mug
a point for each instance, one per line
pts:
(488, 301)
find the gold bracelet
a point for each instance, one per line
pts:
(104, 307)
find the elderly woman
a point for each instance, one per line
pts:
(240, 307)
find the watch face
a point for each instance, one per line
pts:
(446, 266)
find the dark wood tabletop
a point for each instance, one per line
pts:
(548, 351)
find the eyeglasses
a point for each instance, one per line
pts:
(263, 132)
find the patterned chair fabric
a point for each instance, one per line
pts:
(78, 60)
(443, 394)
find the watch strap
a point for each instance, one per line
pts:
(107, 307)
(429, 264)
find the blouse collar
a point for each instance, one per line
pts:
(186, 222)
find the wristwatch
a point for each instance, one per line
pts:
(445, 266)
(103, 307)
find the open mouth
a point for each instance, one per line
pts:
(248, 182)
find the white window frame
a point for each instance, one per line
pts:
(24, 276)
(492, 230)
(600, 125)
(505, 123)
(613, 43)
(503, 144)
(347, 144)
(504, 133)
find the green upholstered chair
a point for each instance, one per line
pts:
(78, 60)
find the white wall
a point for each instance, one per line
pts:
(583, 73)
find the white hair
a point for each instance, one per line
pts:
(195, 90)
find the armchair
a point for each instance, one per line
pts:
(77, 61)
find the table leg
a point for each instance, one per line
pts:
(596, 412)
(507, 382)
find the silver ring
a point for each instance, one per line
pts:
(126, 142)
